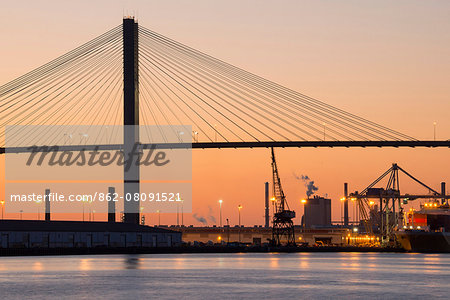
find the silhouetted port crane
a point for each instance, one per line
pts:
(283, 226)
(389, 215)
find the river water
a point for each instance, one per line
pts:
(227, 276)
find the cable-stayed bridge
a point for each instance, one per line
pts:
(175, 85)
(131, 75)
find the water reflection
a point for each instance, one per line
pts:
(85, 264)
(274, 262)
(259, 275)
(132, 262)
(37, 266)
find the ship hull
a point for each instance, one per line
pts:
(420, 241)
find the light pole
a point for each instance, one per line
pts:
(2, 202)
(228, 225)
(303, 201)
(220, 212)
(239, 209)
(354, 210)
(434, 130)
(342, 209)
(178, 216)
(159, 217)
(182, 214)
(38, 202)
(323, 131)
(273, 200)
(141, 210)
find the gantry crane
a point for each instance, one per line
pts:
(390, 213)
(283, 225)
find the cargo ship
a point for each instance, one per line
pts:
(426, 230)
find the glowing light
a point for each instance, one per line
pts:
(371, 203)
(343, 199)
(303, 201)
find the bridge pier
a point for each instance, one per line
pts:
(131, 118)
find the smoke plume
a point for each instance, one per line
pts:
(200, 219)
(211, 217)
(309, 184)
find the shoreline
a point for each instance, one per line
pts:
(187, 250)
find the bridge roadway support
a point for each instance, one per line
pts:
(47, 205)
(111, 205)
(130, 118)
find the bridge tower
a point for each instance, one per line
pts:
(131, 117)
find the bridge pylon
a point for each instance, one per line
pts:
(131, 178)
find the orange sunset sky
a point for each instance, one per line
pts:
(386, 61)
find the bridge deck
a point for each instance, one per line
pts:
(279, 144)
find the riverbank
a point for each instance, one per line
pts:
(186, 249)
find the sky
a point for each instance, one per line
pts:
(382, 60)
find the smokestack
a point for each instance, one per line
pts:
(111, 205)
(47, 204)
(443, 192)
(266, 198)
(346, 204)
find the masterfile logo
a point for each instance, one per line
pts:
(150, 166)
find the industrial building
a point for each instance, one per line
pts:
(75, 234)
(260, 235)
(317, 212)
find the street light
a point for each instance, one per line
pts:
(303, 201)
(239, 208)
(182, 213)
(2, 202)
(323, 131)
(220, 212)
(342, 209)
(354, 209)
(273, 200)
(434, 130)
(141, 210)
(38, 202)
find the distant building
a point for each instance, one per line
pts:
(75, 234)
(260, 235)
(317, 212)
